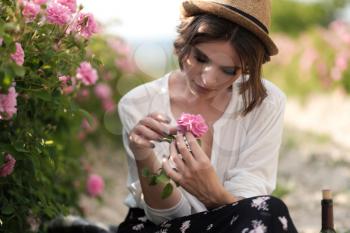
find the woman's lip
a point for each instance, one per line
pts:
(201, 88)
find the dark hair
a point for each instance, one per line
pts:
(251, 51)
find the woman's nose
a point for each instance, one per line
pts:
(208, 76)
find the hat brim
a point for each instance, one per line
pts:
(192, 8)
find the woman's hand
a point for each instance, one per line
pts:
(151, 128)
(195, 173)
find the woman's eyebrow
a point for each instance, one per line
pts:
(202, 54)
(199, 52)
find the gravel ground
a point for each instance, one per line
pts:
(315, 155)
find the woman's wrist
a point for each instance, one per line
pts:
(141, 153)
(222, 197)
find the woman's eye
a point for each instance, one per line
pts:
(232, 71)
(200, 59)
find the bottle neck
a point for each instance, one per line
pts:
(327, 214)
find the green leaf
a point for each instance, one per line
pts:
(153, 180)
(87, 115)
(19, 71)
(19, 146)
(168, 189)
(162, 177)
(146, 172)
(44, 95)
(7, 209)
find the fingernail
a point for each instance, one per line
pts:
(153, 146)
(166, 131)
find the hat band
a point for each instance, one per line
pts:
(252, 18)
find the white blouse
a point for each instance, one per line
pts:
(244, 151)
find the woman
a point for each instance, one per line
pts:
(224, 183)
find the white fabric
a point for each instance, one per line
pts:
(244, 151)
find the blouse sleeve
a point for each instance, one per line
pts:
(129, 116)
(256, 169)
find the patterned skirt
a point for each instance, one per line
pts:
(262, 214)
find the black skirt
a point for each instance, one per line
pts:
(260, 214)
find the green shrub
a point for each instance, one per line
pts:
(41, 135)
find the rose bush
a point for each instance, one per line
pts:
(44, 64)
(317, 60)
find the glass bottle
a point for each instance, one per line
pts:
(327, 212)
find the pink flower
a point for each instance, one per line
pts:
(30, 11)
(1, 40)
(126, 64)
(103, 91)
(95, 185)
(341, 61)
(89, 128)
(7, 168)
(8, 104)
(192, 123)
(58, 14)
(341, 29)
(85, 25)
(83, 95)
(108, 105)
(18, 56)
(87, 74)
(71, 4)
(40, 2)
(67, 84)
(119, 47)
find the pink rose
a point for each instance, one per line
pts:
(8, 104)
(58, 14)
(18, 56)
(126, 64)
(119, 47)
(341, 62)
(86, 73)
(67, 84)
(108, 105)
(89, 128)
(7, 168)
(71, 4)
(84, 24)
(192, 123)
(95, 185)
(103, 91)
(30, 11)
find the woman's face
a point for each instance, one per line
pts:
(211, 68)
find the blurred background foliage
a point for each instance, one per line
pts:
(294, 17)
(314, 44)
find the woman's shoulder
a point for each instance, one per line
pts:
(275, 95)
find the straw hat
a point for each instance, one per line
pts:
(253, 15)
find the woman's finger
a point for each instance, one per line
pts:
(155, 125)
(172, 130)
(184, 149)
(160, 117)
(175, 176)
(139, 142)
(193, 143)
(179, 163)
(197, 150)
(147, 133)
